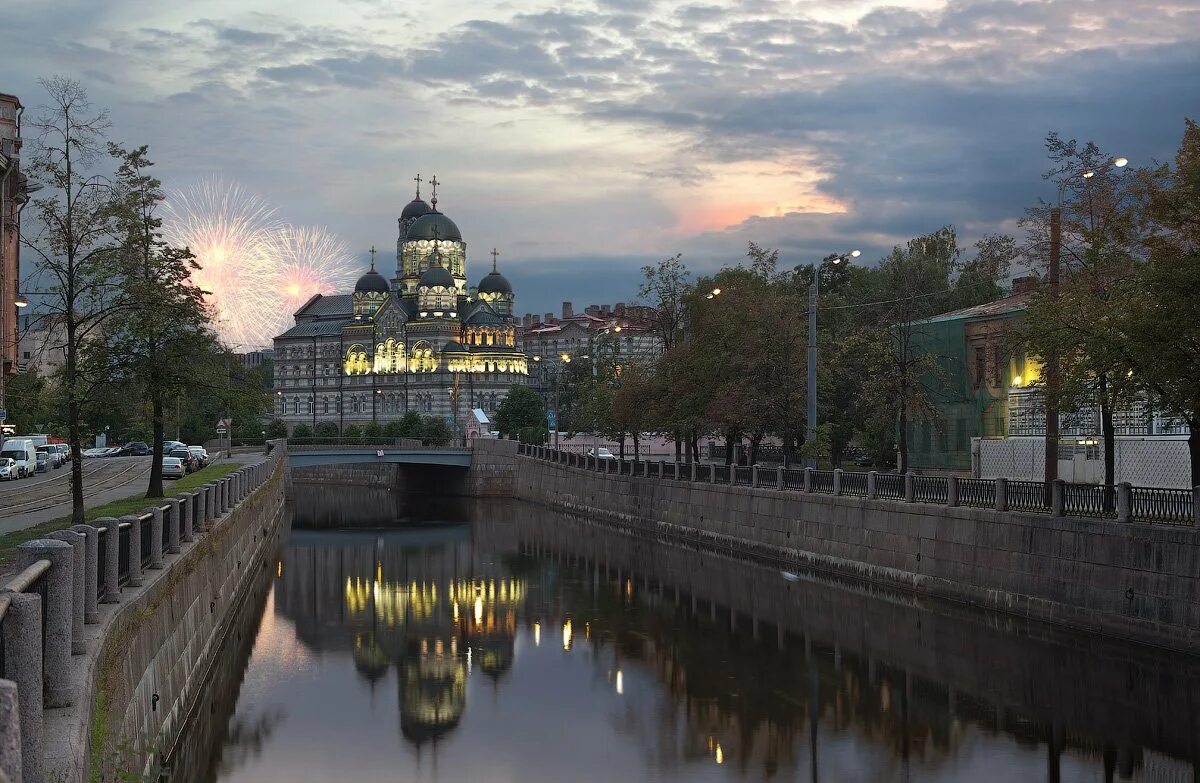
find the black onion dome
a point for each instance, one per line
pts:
(372, 282)
(414, 209)
(433, 225)
(435, 276)
(495, 283)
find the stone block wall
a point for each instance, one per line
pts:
(493, 468)
(160, 646)
(1138, 581)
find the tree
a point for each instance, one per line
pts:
(326, 429)
(277, 429)
(302, 430)
(435, 431)
(74, 243)
(1160, 313)
(372, 431)
(155, 342)
(352, 432)
(409, 426)
(521, 407)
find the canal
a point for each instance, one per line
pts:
(510, 643)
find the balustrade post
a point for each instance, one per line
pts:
(712, 473)
(808, 479)
(952, 490)
(872, 484)
(10, 733)
(754, 475)
(909, 489)
(226, 496)
(112, 562)
(135, 549)
(203, 510)
(1196, 505)
(1124, 502)
(212, 504)
(78, 575)
(185, 516)
(1001, 494)
(1058, 496)
(22, 642)
(837, 481)
(57, 617)
(91, 570)
(779, 478)
(174, 516)
(156, 537)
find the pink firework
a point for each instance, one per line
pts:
(308, 261)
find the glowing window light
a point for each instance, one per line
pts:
(620, 682)
(719, 754)
(478, 610)
(537, 634)
(567, 634)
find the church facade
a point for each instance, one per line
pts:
(424, 341)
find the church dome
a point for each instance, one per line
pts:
(372, 282)
(435, 276)
(433, 225)
(414, 209)
(495, 283)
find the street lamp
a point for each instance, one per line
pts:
(565, 359)
(1052, 273)
(21, 301)
(810, 429)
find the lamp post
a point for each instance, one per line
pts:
(1052, 274)
(810, 428)
(19, 302)
(564, 359)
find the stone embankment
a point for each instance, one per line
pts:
(109, 629)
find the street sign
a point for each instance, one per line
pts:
(221, 430)
(3, 414)
(550, 419)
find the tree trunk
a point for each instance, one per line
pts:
(73, 425)
(1110, 444)
(694, 449)
(155, 490)
(902, 441)
(729, 445)
(678, 445)
(621, 446)
(754, 441)
(636, 447)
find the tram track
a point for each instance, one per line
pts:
(125, 477)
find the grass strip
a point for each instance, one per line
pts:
(116, 508)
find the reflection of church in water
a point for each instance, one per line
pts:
(418, 602)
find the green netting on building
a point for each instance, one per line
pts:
(963, 412)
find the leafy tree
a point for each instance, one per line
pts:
(521, 407)
(372, 430)
(326, 429)
(352, 432)
(74, 244)
(155, 342)
(534, 436)
(435, 431)
(409, 426)
(302, 430)
(1160, 310)
(277, 429)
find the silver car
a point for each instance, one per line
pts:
(172, 467)
(8, 469)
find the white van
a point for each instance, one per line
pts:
(24, 453)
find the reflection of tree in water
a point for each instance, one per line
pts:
(245, 739)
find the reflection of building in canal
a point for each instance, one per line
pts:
(420, 601)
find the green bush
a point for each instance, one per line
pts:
(435, 431)
(373, 431)
(277, 429)
(302, 431)
(326, 429)
(533, 436)
(352, 432)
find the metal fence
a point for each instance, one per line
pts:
(1121, 502)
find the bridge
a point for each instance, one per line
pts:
(396, 452)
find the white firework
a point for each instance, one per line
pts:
(307, 261)
(256, 269)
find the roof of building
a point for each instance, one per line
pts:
(313, 329)
(483, 315)
(480, 416)
(327, 306)
(433, 225)
(436, 276)
(414, 209)
(495, 283)
(372, 282)
(1012, 303)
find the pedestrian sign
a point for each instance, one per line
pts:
(551, 420)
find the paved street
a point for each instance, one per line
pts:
(47, 496)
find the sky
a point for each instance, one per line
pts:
(586, 138)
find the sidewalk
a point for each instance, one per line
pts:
(23, 521)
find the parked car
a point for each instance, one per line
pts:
(171, 445)
(172, 467)
(64, 450)
(111, 451)
(135, 448)
(601, 453)
(23, 453)
(8, 469)
(189, 462)
(200, 454)
(43, 461)
(52, 456)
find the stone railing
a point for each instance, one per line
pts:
(304, 444)
(64, 578)
(1123, 502)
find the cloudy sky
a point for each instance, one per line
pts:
(585, 138)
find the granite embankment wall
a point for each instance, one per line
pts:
(152, 651)
(1132, 580)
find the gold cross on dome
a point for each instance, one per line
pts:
(419, 181)
(372, 258)
(495, 255)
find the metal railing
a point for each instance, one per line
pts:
(1123, 502)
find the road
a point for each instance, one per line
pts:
(47, 495)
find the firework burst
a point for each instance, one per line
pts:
(256, 270)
